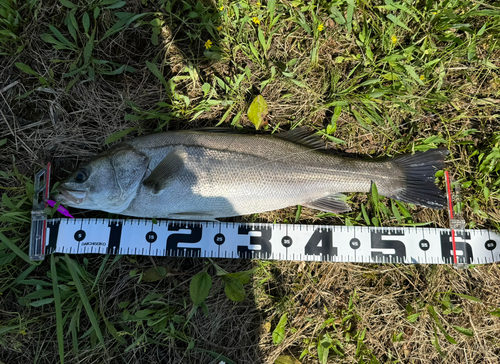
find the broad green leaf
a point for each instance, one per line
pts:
(495, 313)
(463, 330)
(286, 359)
(271, 6)
(154, 274)
(375, 198)
(323, 352)
(299, 83)
(244, 277)
(73, 26)
(205, 88)
(365, 215)
(413, 318)
(279, 331)
(25, 68)
(337, 15)
(119, 134)
(87, 50)
(86, 22)
(42, 302)
(107, 2)
(257, 111)
(200, 287)
(117, 5)
(262, 40)
(350, 13)
(472, 298)
(254, 51)
(234, 288)
(68, 4)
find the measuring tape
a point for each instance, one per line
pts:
(355, 244)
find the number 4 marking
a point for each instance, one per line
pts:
(326, 249)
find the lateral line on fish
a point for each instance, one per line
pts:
(381, 176)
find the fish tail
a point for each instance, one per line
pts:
(419, 170)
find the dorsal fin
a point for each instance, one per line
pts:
(303, 136)
(223, 130)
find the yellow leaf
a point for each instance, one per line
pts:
(286, 359)
(257, 111)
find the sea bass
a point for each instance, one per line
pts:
(204, 175)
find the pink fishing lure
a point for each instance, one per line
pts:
(60, 208)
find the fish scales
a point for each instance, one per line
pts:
(255, 175)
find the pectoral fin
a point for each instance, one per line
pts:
(167, 170)
(330, 204)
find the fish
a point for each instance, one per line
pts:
(217, 173)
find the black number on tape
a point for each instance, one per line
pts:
(115, 236)
(464, 250)
(286, 241)
(379, 243)
(193, 237)
(490, 244)
(263, 241)
(424, 244)
(355, 243)
(151, 237)
(219, 239)
(53, 228)
(80, 235)
(326, 249)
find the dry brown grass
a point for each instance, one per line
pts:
(67, 128)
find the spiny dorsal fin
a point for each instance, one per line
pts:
(302, 136)
(167, 169)
(216, 129)
(332, 203)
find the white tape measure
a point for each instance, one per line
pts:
(271, 241)
(360, 244)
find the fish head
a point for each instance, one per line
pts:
(108, 182)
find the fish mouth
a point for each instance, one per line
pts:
(73, 196)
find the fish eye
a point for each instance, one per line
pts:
(81, 175)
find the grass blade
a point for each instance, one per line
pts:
(154, 69)
(62, 38)
(83, 296)
(14, 248)
(57, 303)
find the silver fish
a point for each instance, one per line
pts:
(204, 175)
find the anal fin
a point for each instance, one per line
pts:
(331, 203)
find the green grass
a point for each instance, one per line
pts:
(376, 78)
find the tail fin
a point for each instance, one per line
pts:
(419, 170)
